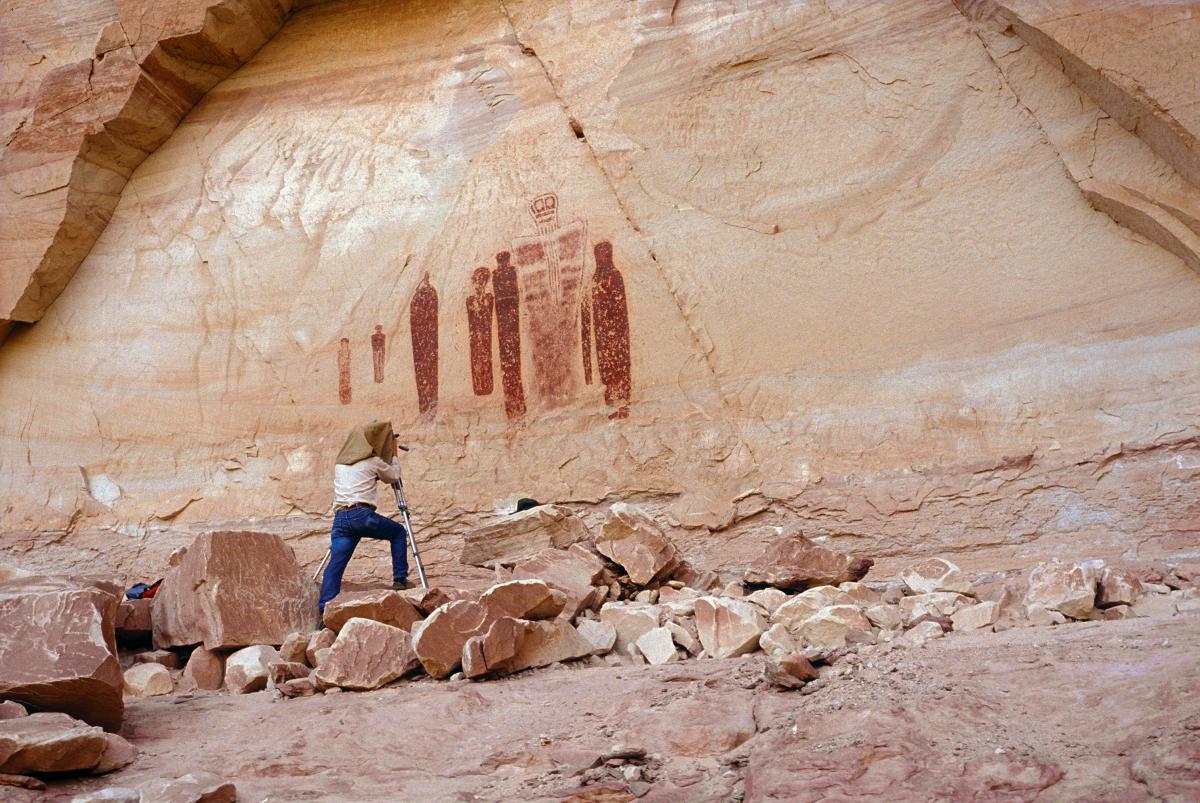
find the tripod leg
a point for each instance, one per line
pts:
(321, 565)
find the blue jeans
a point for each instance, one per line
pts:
(349, 527)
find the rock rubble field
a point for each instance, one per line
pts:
(720, 674)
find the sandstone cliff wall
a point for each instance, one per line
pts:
(886, 270)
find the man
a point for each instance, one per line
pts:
(369, 455)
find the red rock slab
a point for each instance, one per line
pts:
(205, 669)
(511, 645)
(522, 599)
(522, 535)
(58, 650)
(366, 655)
(794, 563)
(49, 742)
(635, 541)
(383, 605)
(133, 619)
(438, 640)
(234, 589)
(575, 571)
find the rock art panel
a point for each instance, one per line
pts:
(423, 316)
(480, 305)
(506, 288)
(378, 352)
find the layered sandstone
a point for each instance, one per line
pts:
(891, 273)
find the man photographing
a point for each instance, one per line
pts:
(368, 456)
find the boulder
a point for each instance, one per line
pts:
(134, 622)
(574, 571)
(299, 687)
(1068, 589)
(789, 671)
(295, 648)
(320, 640)
(280, 672)
(934, 605)
(796, 610)
(165, 658)
(1183, 575)
(428, 600)
(885, 617)
(58, 648)
(438, 639)
(632, 539)
(148, 680)
(522, 535)
(382, 605)
(974, 617)
(1118, 587)
(935, 574)
(11, 709)
(794, 563)
(366, 655)
(601, 635)
(705, 581)
(768, 599)
(728, 627)
(511, 645)
(777, 640)
(685, 637)
(860, 594)
(205, 669)
(630, 620)
(49, 742)
(521, 599)
(1040, 616)
(233, 589)
(247, 670)
(658, 646)
(830, 627)
(195, 787)
(924, 632)
(118, 753)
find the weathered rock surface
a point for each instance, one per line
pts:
(166, 658)
(973, 617)
(629, 620)
(1118, 587)
(830, 627)
(657, 645)
(11, 709)
(601, 635)
(49, 742)
(280, 672)
(194, 787)
(574, 571)
(935, 574)
(134, 619)
(118, 753)
(939, 605)
(322, 639)
(1068, 589)
(728, 627)
(633, 540)
(295, 648)
(438, 639)
(205, 669)
(58, 651)
(383, 605)
(366, 655)
(521, 599)
(248, 669)
(522, 535)
(233, 589)
(789, 671)
(148, 680)
(794, 563)
(511, 645)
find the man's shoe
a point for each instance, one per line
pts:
(402, 586)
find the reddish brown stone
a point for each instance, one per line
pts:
(162, 657)
(49, 742)
(794, 563)
(575, 571)
(389, 607)
(790, 671)
(195, 787)
(233, 589)
(58, 649)
(523, 535)
(11, 709)
(117, 753)
(522, 599)
(295, 648)
(632, 539)
(438, 640)
(281, 672)
(205, 669)
(428, 600)
(366, 655)
(134, 619)
(322, 639)
(511, 645)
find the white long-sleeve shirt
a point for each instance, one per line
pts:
(356, 483)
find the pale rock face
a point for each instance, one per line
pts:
(59, 648)
(1039, 615)
(887, 617)
(935, 574)
(635, 541)
(937, 604)
(233, 589)
(796, 610)
(383, 605)
(777, 640)
(1068, 589)
(685, 635)
(601, 635)
(148, 680)
(768, 599)
(294, 648)
(790, 671)
(320, 640)
(574, 571)
(1154, 606)
(924, 632)
(248, 669)
(205, 669)
(49, 742)
(658, 646)
(366, 655)
(974, 617)
(728, 627)
(861, 594)
(511, 645)
(794, 563)
(1118, 587)
(195, 786)
(829, 627)
(728, 214)
(630, 620)
(523, 535)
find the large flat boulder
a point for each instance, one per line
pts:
(635, 541)
(1069, 589)
(366, 655)
(233, 589)
(522, 535)
(511, 645)
(382, 605)
(49, 742)
(438, 640)
(794, 563)
(728, 627)
(58, 648)
(574, 571)
(522, 599)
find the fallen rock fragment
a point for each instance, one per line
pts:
(438, 640)
(799, 608)
(428, 600)
(58, 649)
(789, 671)
(937, 605)
(300, 687)
(382, 605)
(522, 535)
(1041, 616)
(635, 541)
(233, 589)
(134, 621)
(630, 620)
(1154, 606)
(23, 782)
(884, 616)
(366, 655)
(111, 794)
(974, 617)
(728, 627)
(511, 645)
(601, 635)
(924, 632)
(195, 787)
(294, 648)
(118, 753)
(1070, 590)
(205, 669)
(247, 670)
(768, 599)
(794, 563)
(322, 639)
(658, 646)
(49, 742)
(832, 626)
(148, 680)
(281, 672)
(574, 571)
(777, 641)
(935, 574)
(685, 636)
(521, 599)
(165, 658)
(1118, 587)
(11, 709)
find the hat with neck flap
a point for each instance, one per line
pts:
(373, 440)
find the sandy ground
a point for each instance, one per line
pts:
(1089, 711)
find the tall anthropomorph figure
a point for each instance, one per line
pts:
(378, 351)
(508, 334)
(343, 363)
(423, 319)
(610, 324)
(479, 327)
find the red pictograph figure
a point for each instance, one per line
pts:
(585, 336)
(611, 324)
(423, 319)
(378, 346)
(508, 334)
(343, 359)
(479, 326)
